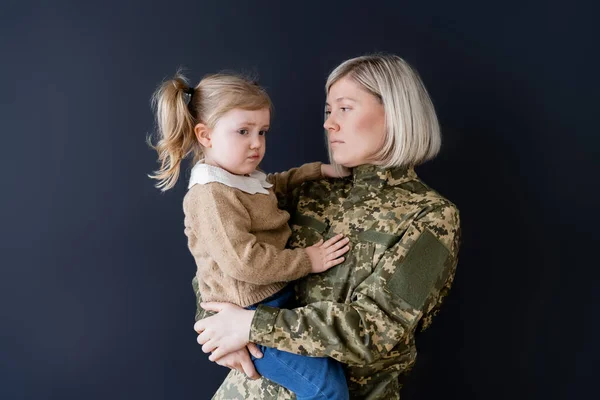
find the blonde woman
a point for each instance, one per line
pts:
(404, 236)
(236, 232)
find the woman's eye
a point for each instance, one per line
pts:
(262, 133)
(243, 131)
(327, 113)
(344, 109)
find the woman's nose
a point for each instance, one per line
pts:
(330, 124)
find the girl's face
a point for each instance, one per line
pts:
(355, 124)
(237, 141)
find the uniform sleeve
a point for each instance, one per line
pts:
(285, 182)
(384, 309)
(220, 225)
(200, 312)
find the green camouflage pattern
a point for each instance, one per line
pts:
(404, 240)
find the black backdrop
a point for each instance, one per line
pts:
(96, 301)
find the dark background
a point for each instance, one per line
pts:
(96, 300)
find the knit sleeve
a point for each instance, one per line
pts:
(285, 182)
(221, 224)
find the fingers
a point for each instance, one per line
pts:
(337, 245)
(333, 240)
(218, 353)
(199, 326)
(209, 346)
(333, 263)
(337, 254)
(227, 362)
(203, 337)
(254, 350)
(248, 367)
(213, 306)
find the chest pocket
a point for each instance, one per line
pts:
(379, 241)
(306, 230)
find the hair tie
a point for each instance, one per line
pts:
(190, 92)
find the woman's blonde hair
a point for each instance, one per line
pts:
(412, 129)
(179, 107)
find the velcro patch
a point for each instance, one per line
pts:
(417, 274)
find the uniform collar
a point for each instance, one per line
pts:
(374, 175)
(204, 173)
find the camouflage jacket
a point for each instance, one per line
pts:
(364, 312)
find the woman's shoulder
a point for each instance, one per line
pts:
(324, 190)
(418, 192)
(414, 201)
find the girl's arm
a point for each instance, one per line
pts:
(216, 221)
(285, 182)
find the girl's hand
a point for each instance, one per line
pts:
(327, 170)
(241, 361)
(225, 332)
(329, 254)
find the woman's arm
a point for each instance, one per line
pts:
(385, 308)
(384, 311)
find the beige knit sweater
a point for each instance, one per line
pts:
(238, 239)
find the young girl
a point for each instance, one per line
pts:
(236, 232)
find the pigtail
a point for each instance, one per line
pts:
(174, 129)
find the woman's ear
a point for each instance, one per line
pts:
(203, 135)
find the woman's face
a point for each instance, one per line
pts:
(355, 124)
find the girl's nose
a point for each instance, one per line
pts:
(255, 143)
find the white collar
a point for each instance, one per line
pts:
(204, 173)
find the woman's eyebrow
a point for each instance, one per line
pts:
(341, 99)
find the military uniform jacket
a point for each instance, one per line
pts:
(364, 312)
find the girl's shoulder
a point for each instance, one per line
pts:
(210, 192)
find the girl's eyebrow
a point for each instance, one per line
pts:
(250, 123)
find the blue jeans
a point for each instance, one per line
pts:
(308, 377)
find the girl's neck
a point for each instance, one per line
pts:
(209, 161)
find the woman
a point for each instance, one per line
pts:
(404, 236)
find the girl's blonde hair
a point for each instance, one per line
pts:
(178, 108)
(412, 129)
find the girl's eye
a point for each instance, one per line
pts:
(243, 131)
(327, 113)
(344, 109)
(262, 133)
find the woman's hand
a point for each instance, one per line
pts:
(241, 361)
(328, 171)
(225, 332)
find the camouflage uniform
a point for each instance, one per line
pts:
(364, 313)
